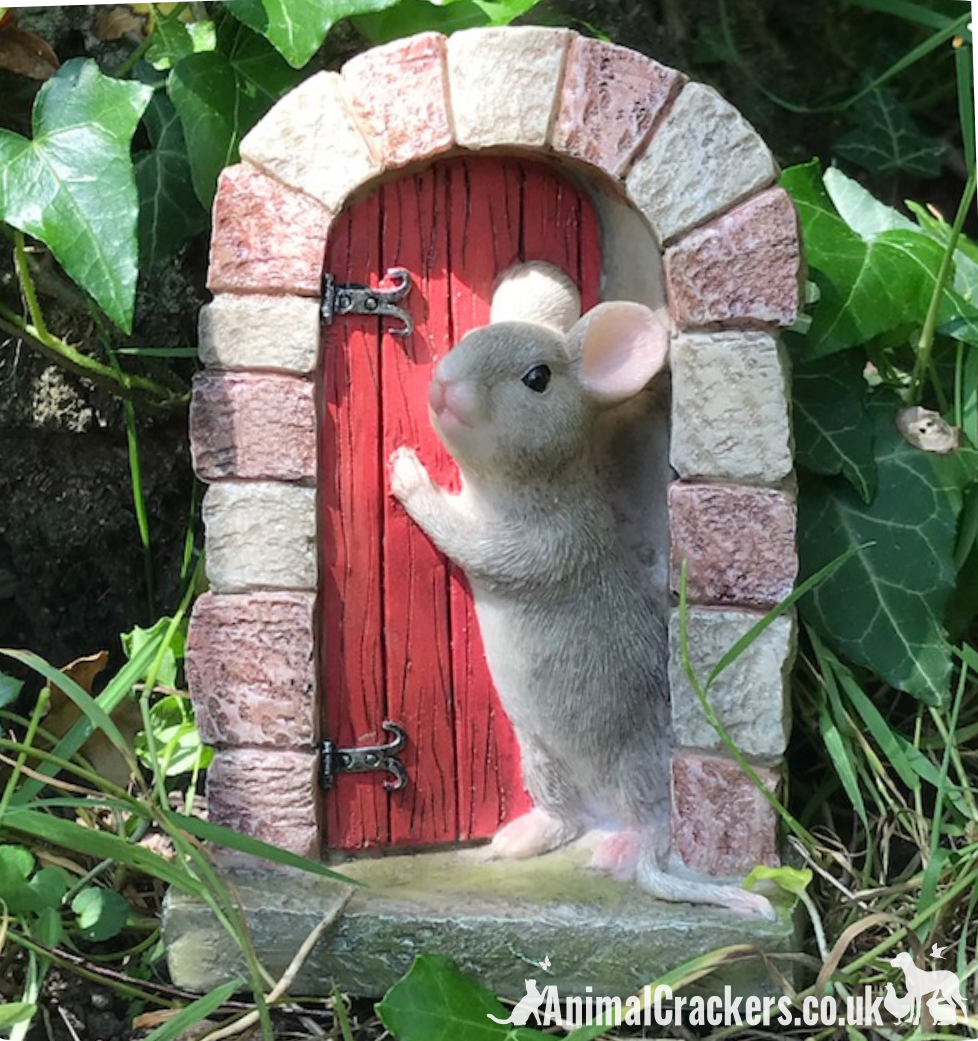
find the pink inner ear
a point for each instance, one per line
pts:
(624, 346)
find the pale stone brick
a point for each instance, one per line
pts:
(260, 332)
(267, 794)
(260, 535)
(310, 141)
(746, 264)
(267, 238)
(399, 94)
(722, 825)
(750, 696)
(504, 84)
(702, 159)
(251, 669)
(730, 407)
(609, 102)
(739, 543)
(253, 426)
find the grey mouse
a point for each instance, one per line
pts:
(574, 638)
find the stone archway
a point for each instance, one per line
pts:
(662, 155)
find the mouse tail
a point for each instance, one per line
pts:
(661, 884)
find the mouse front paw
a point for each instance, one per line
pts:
(407, 473)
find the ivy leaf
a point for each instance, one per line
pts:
(884, 607)
(833, 431)
(886, 140)
(860, 209)
(297, 28)
(10, 689)
(868, 285)
(169, 212)
(73, 186)
(437, 1002)
(220, 95)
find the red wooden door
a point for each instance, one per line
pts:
(399, 637)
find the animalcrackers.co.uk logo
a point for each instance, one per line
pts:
(937, 989)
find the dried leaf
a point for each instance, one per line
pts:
(26, 54)
(112, 23)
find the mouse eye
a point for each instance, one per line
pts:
(537, 378)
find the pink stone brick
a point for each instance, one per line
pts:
(721, 824)
(610, 100)
(738, 543)
(267, 238)
(251, 668)
(270, 795)
(745, 265)
(250, 425)
(399, 93)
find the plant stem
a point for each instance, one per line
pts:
(925, 346)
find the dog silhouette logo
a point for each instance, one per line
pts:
(528, 1005)
(942, 984)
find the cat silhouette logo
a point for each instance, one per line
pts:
(528, 1005)
(942, 984)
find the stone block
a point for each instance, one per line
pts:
(702, 159)
(721, 824)
(260, 535)
(750, 696)
(251, 669)
(260, 332)
(260, 427)
(745, 265)
(610, 100)
(738, 543)
(268, 794)
(399, 94)
(312, 142)
(730, 407)
(267, 238)
(505, 84)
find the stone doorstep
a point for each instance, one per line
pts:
(496, 920)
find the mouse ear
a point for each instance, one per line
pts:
(619, 347)
(538, 293)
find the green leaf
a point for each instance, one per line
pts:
(220, 95)
(868, 286)
(833, 430)
(884, 608)
(16, 865)
(169, 211)
(791, 880)
(841, 754)
(860, 209)
(13, 1012)
(887, 141)
(73, 185)
(136, 641)
(297, 28)
(10, 688)
(192, 1015)
(408, 17)
(102, 913)
(170, 42)
(437, 1002)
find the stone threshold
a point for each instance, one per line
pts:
(497, 920)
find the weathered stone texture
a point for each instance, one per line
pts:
(702, 159)
(730, 407)
(750, 696)
(722, 825)
(504, 84)
(739, 544)
(310, 141)
(260, 332)
(254, 426)
(268, 794)
(267, 238)
(610, 100)
(260, 535)
(399, 94)
(251, 669)
(744, 265)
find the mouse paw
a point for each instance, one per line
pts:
(407, 473)
(617, 854)
(531, 834)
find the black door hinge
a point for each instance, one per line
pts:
(365, 759)
(341, 299)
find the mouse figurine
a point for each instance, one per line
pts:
(574, 639)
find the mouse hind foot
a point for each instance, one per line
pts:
(531, 834)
